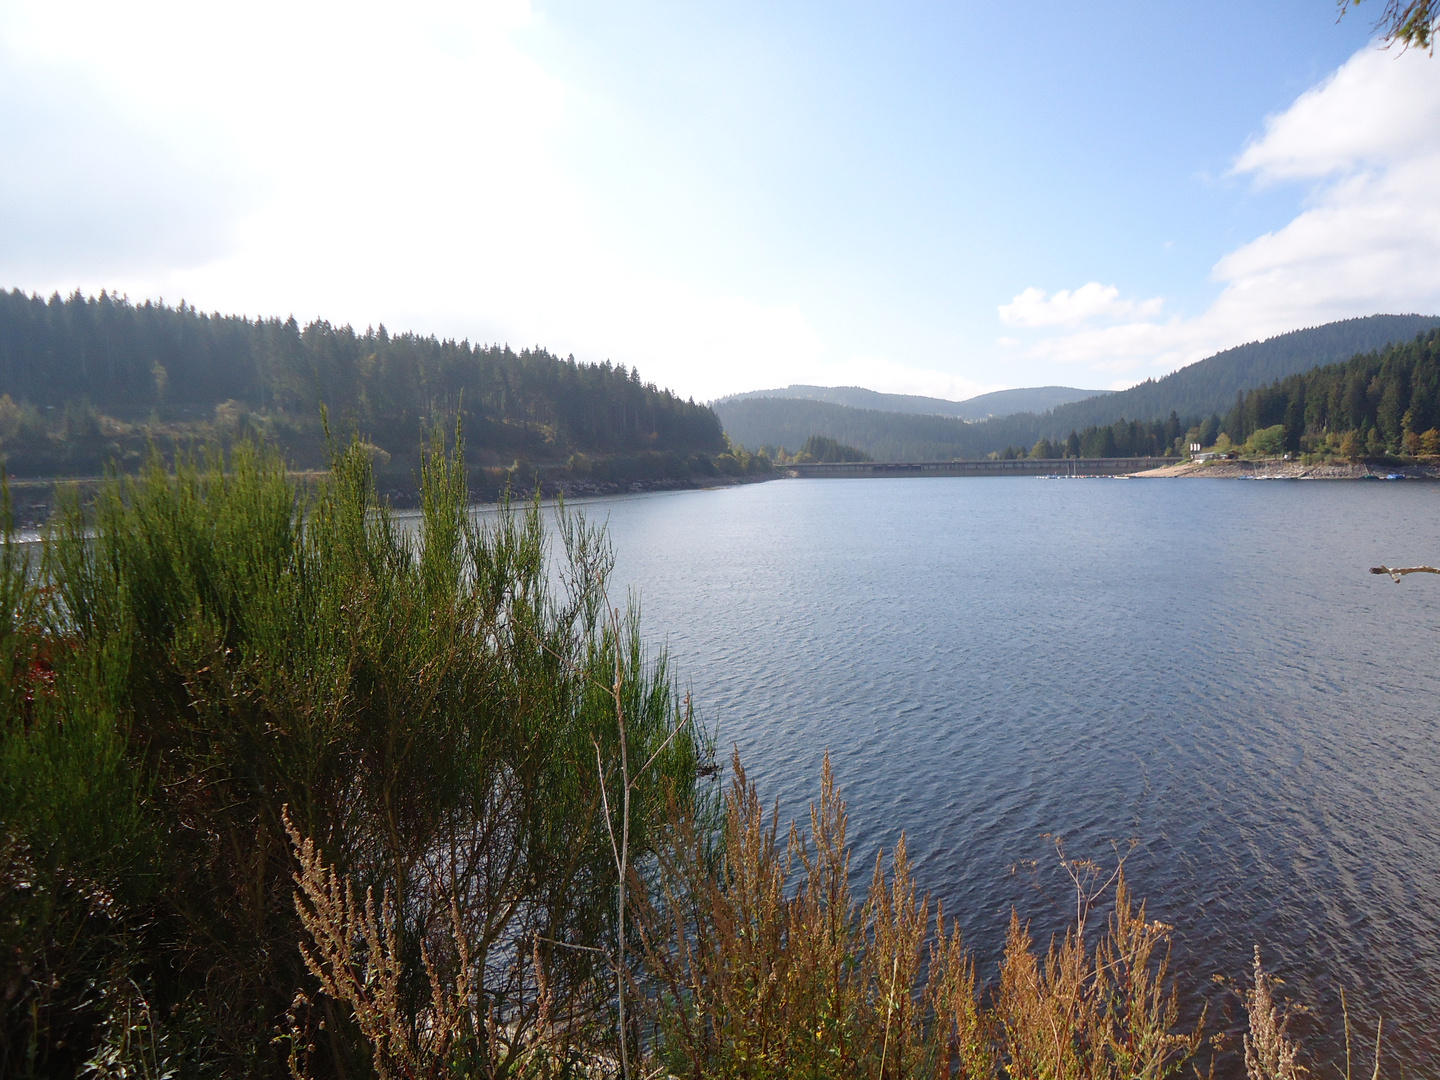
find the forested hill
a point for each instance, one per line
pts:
(1210, 385)
(885, 436)
(999, 403)
(1377, 403)
(1204, 388)
(87, 362)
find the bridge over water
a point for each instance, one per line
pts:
(1014, 467)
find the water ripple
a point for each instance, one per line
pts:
(1202, 667)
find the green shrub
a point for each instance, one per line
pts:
(1267, 442)
(221, 648)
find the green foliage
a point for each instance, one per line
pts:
(1124, 438)
(205, 647)
(74, 844)
(1267, 442)
(820, 448)
(737, 461)
(165, 370)
(1372, 405)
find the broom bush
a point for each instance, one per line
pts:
(203, 654)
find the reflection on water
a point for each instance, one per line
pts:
(1202, 667)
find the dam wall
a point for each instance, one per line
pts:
(1014, 467)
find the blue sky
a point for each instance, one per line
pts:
(928, 198)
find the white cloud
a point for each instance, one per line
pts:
(84, 182)
(1034, 307)
(1126, 347)
(1368, 140)
(399, 166)
(1370, 240)
(1371, 112)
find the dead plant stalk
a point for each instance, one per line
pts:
(621, 849)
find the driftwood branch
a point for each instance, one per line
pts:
(1397, 572)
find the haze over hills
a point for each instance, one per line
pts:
(1206, 387)
(885, 436)
(982, 407)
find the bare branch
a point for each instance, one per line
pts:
(661, 748)
(572, 945)
(1411, 22)
(604, 800)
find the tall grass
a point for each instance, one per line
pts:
(764, 965)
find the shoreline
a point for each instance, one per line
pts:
(34, 498)
(1287, 470)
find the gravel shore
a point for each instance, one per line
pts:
(1290, 470)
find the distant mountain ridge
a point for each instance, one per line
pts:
(1205, 387)
(982, 407)
(885, 436)
(1210, 385)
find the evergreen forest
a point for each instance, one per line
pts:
(819, 448)
(1141, 421)
(89, 380)
(1383, 404)
(1210, 385)
(1377, 404)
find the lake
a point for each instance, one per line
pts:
(1202, 667)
